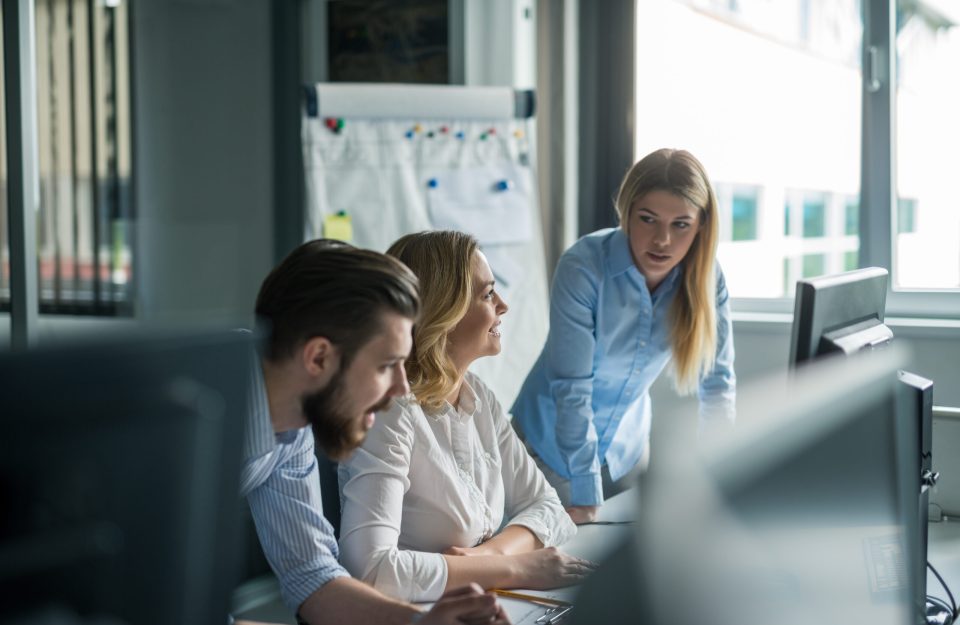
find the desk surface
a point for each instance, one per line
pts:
(593, 542)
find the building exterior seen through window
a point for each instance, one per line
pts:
(84, 224)
(774, 113)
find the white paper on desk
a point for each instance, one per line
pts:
(468, 200)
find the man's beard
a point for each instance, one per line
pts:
(335, 430)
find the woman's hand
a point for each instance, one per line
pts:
(583, 514)
(551, 568)
(468, 604)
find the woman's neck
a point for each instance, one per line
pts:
(454, 397)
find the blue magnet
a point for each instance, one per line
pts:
(460, 135)
(433, 183)
(503, 185)
(409, 134)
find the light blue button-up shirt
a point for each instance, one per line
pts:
(281, 482)
(586, 401)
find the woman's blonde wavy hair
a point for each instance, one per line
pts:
(443, 261)
(694, 332)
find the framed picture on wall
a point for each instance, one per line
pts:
(407, 41)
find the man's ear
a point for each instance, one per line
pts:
(320, 357)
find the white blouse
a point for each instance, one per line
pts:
(424, 482)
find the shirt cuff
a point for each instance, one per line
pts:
(296, 591)
(551, 534)
(586, 490)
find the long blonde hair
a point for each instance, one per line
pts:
(442, 260)
(694, 332)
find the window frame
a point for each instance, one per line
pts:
(878, 193)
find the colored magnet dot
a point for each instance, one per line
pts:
(503, 185)
(418, 128)
(444, 129)
(518, 134)
(339, 123)
(491, 131)
(408, 134)
(430, 135)
(483, 137)
(432, 183)
(460, 135)
(330, 123)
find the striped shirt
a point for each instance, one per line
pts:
(282, 485)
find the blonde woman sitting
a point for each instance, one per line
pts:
(424, 498)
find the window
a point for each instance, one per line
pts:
(84, 223)
(781, 142)
(793, 121)
(926, 221)
(814, 218)
(906, 216)
(851, 222)
(744, 217)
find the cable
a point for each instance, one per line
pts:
(952, 608)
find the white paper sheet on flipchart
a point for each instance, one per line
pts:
(469, 200)
(375, 173)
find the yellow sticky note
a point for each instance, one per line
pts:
(338, 226)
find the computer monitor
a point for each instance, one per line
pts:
(844, 313)
(119, 474)
(799, 515)
(839, 313)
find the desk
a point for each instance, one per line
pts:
(592, 542)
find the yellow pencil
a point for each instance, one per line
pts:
(533, 598)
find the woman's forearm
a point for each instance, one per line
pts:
(488, 571)
(513, 539)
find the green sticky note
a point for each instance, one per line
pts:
(338, 226)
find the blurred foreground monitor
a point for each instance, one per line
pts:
(798, 515)
(119, 473)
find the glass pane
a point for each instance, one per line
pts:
(83, 127)
(852, 219)
(927, 220)
(764, 129)
(814, 218)
(744, 217)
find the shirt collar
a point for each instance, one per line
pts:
(619, 258)
(468, 406)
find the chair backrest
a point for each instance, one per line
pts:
(329, 491)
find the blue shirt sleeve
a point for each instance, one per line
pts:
(297, 540)
(569, 356)
(717, 391)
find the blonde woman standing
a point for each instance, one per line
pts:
(426, 495)
(624, 302)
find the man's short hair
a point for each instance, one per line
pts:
(331, 289)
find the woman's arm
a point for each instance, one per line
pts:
(529, 500)
(568, 361)
(717, 391)
(541, 569)
(512, 540)
(374, 481)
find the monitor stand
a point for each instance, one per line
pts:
(919, 392)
